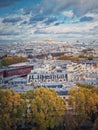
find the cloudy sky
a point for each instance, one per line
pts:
(63, 20)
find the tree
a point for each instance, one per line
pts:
(12, 60)
(69, 121)
(46, 108)
(91, 57)
(84, 102)
(65, 57)
(11, 109)
(89, 86)
(95, 127)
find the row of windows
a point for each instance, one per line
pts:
(48, 80)
(47, 76)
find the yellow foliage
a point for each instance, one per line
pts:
(84, 101)
(47, 107)
(10, 108)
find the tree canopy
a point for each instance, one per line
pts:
(43, 109)
(12, 60)
(84, 101)
(47, 108)
(11, 109)
(39, 109)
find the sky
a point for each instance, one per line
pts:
(60, 20)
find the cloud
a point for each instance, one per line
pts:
(79, 7)
(4, 3)
(24, 22)
(8, 33)
(50, 20)
(69, 13)
(58, 23)
(11, 20)
(36, 18)
(86, 19)
(38, 31)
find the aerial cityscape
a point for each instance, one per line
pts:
(48, 65)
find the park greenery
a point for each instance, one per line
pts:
(12, 60)
(43, 109)
(66, 57)
(76, 58)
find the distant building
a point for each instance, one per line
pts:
(47, 76)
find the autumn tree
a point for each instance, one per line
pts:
(11, 109)
(12, 60)
(69, 122)
(66, 57)
(46, 108)
(84, 102)
(89, 86)
(95, 127)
